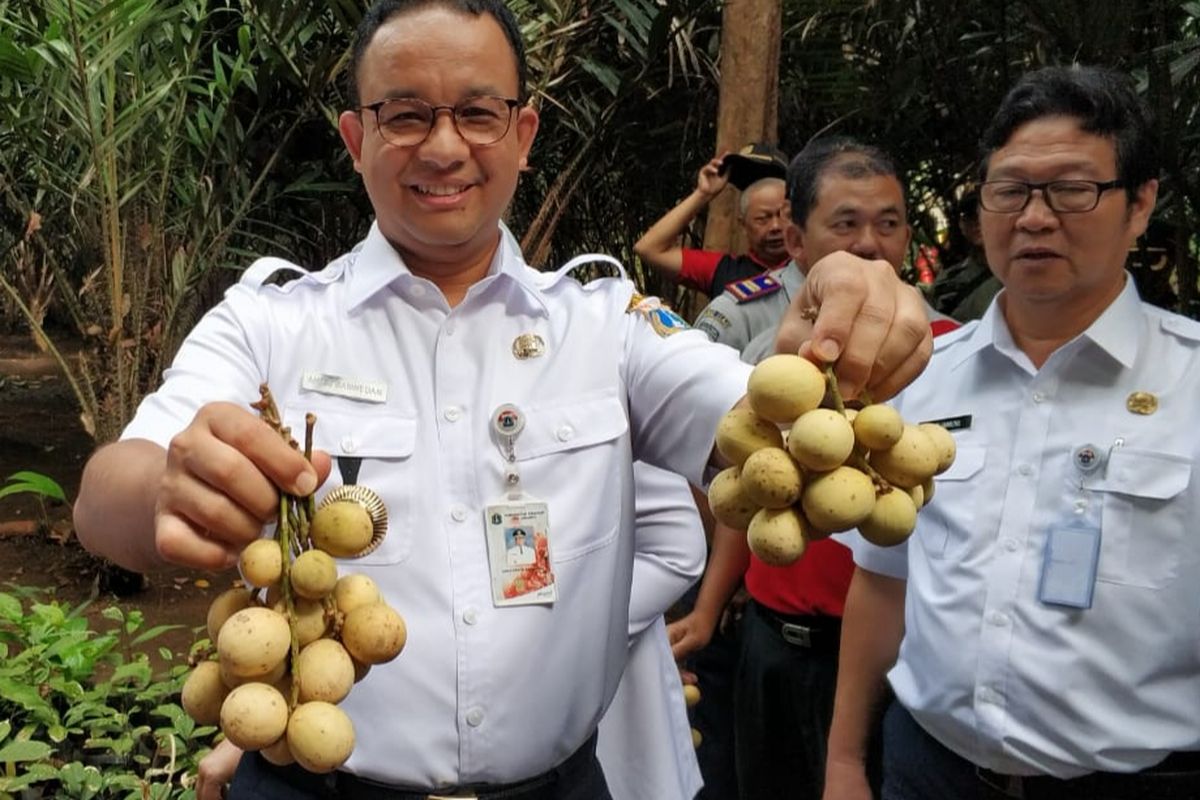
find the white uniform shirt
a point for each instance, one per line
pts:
(480, 694)
(1010, 683)
(645, 738)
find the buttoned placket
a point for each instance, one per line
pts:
(1015, 556)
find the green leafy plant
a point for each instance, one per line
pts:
(43, 487)
(83, 713)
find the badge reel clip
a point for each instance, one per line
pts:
(508, 422)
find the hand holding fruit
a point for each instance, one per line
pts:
(219, 487)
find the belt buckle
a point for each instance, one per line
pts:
(1010, 785)
(797, 634)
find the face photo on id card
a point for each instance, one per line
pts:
(518, 538)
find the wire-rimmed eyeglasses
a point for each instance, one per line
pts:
(407, 121)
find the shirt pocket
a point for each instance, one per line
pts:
(384, 443)
(575, 452)
(1143, 524)
(951, 512)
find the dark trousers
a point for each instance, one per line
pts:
(919, 767)
(578, 778)
(713, 716)
(783, 704)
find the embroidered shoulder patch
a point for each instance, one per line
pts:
(753, 288)
(662, 319)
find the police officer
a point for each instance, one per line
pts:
(464, 390)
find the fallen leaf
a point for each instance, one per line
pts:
(35, 224)
(201, 583)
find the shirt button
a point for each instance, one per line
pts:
(416, 290)
(470, 616)
(1038, 397)
(565, 433)
(1011, 545)
(452, 413)
(458, 513)
(475, 717)
(449, 327)
(349, 445)
(1025, 470)
(997, 619)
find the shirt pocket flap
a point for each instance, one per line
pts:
(968, 460)
(571, 424)
(357, 433)
(1145, 473)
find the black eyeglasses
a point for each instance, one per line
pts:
(1064, 197)
(407, 121)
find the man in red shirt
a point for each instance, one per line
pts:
(844, 196)
(758, 171)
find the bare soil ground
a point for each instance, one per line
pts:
(40, 431)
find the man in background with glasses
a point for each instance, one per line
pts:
(464, 388)
(1040, 628)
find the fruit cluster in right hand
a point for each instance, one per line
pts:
(801, 471)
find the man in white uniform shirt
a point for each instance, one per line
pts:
(1040, 628)
(450, 379)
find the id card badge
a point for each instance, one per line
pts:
(518, 542)
(1069, 566)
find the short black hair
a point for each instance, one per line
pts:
(519, 532)
(847, 157)
(384, 10)
(1105, 103)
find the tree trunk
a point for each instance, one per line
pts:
(748, 107)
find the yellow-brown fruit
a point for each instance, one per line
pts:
(253, 642)
(696, 738)
(352, 591)
(891, 520)
(943, 443)
(310, 620)
(927, 488)
(320, 736)
(254, 715)
(691, 694)
(323, 671)
(360, 669)
(273, 677)
(782, 387)
(910, 461)
(278, 753)
(342, 528)
(838, 500)
(314, 574)
(740, 432)
(225, 605)
(878, 427)
(770, 478)
(374, 634)
(821, 440)
(917, 493)
(776, 536)
(727, 500)
(261, 563)
(204, 692)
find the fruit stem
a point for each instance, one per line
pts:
(834, 393)
(859, 462)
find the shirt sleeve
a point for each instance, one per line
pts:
(216, 362)
(889, 561)
(723, 322)
(679, 386)
(698, 268)
(669, 546)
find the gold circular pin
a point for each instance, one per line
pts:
(1143, 403)
(369, 500)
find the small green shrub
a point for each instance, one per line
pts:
(83, 714)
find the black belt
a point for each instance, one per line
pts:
(814, 631)
(347, 785)
(1175, 778)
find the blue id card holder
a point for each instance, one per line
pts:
(1069, 566)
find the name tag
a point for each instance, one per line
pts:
(353, 388)
(1069, 567)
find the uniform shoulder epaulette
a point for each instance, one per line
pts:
(283, 274)
(595, 265)
(749, 289)
(1181, 326)
(662, 319)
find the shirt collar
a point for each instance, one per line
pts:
(377, 265)
(792, 279)
(1117, 331)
